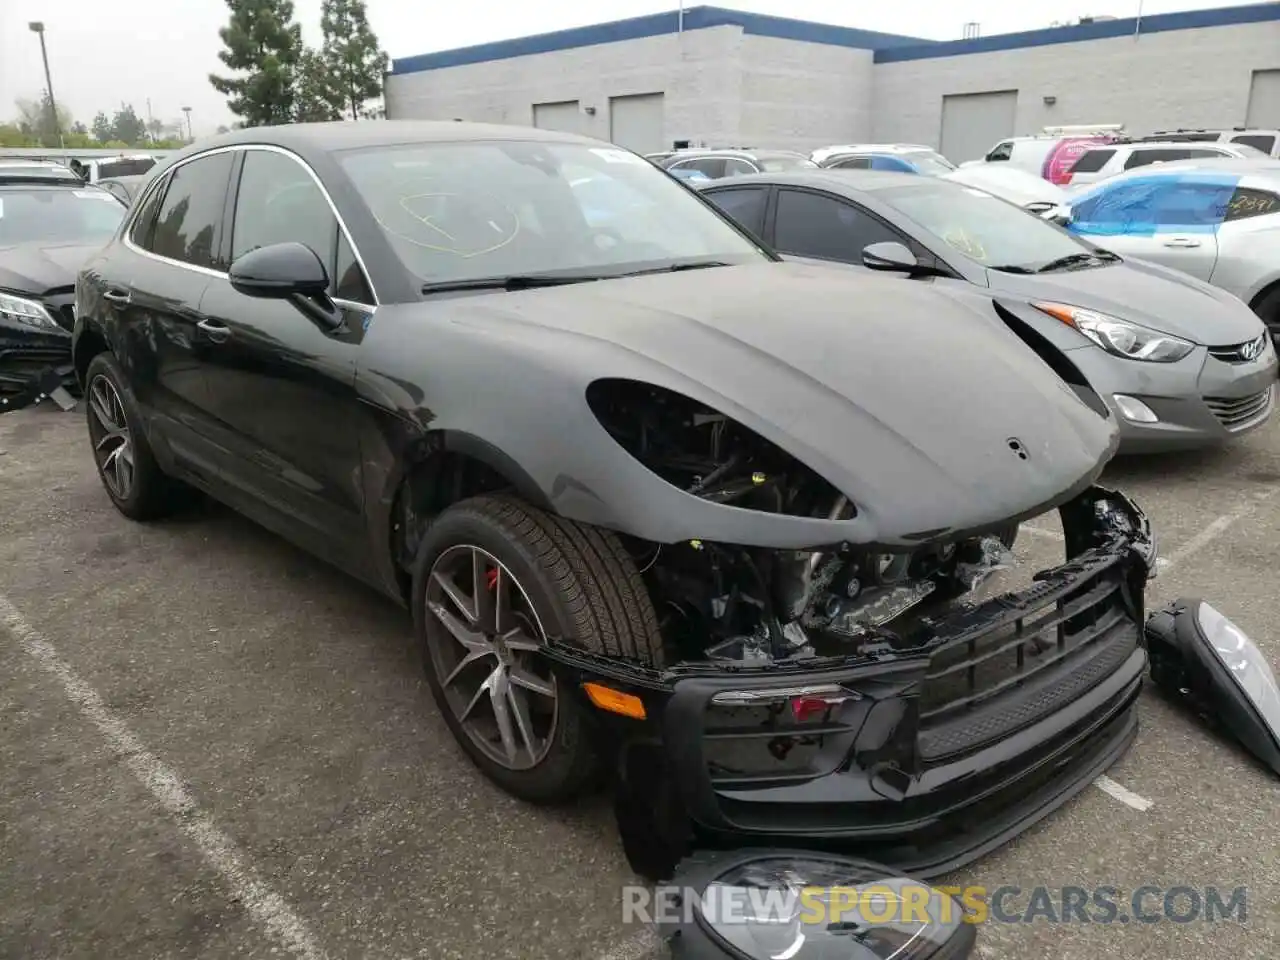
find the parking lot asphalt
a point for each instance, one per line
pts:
(214, 746)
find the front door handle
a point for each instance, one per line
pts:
(117, 296)
(215, 331)
(1182, 242)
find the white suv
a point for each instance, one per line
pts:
(1107, 159)
(1268, 141)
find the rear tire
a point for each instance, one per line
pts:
(562, 580)
(126, 465)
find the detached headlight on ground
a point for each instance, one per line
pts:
(785, 905)
(1122, 338)
(1197, 654)
(27, 312)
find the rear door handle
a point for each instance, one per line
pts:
(118, 296)
(217, 332)
(1182, 242)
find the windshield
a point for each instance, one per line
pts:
(775, 164)
(484, 209)
(928, 162)
(982, 227)
(58, 215)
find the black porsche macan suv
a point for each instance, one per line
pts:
(658, 501)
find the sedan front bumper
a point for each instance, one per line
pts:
(1207, 398)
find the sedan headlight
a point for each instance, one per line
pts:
(1121, 338)
(29, 313)
(780, 905)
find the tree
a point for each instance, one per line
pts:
(155, 128)
(35, 118)
(128, 126)
(102, 127)
(356, 64)
(263, 45)
(315, 96)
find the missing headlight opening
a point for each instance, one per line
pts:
(738, 603)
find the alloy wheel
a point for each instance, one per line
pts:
(112, 441)
(483, 637)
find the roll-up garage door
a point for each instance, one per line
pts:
(564, 116)
(972, 123)
(637, 122)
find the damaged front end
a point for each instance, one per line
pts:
(856, 695)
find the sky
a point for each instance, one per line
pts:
(101, 55)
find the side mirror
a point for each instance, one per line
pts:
(1059, 215)
(288, 271)
(890, 256)
(280, 271)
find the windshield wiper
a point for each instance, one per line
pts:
(1011, 268)
(1070, 260)
(676, 267)
(518, 282)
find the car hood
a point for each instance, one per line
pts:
(37, 267)
(1146, 293)
(906, 397)
(1009, 183)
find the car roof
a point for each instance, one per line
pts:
(848, 182)
(344, 135)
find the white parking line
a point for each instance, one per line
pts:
(1216, 529)
(263, 904)
(1123, 794)
(639, 946)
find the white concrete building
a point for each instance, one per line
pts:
(726, 78)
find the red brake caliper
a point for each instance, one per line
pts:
(491, 579)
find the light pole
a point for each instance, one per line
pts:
(190, 137)
(36, 26)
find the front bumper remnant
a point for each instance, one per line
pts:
(29, 389)
(922, 755)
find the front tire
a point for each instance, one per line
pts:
(126, 465)
(494, 580)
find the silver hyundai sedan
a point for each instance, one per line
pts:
(1179, 363)
(1218, 221)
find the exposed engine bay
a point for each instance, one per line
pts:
(740, 603)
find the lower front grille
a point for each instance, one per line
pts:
(1236, 412)
(988, 682)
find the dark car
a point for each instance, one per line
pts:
(654, 502)
(1179, 362)
(49, 226)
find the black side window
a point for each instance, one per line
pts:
(1091, 161)
(713, 167)
(745, 205)
(1140, 158)
(279, 202)
(1265, 142)
(191, 214)
(144, 224)
(1001, 151)
(1249, 202)
(349, 282)
(813, 225)
(733, 167)
(853, 163)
